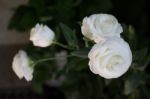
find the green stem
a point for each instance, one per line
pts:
(43, 60)
(47, 59)
(86, 42)
(61, 45)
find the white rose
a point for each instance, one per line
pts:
(41, 36)
(21, 66)
(110, 59)
(97, 27)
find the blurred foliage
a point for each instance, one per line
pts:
(80, 83)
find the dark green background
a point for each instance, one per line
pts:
(134, 15)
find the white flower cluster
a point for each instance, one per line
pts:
(41, 36)
(111, 56)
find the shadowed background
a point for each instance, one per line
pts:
(17, 17)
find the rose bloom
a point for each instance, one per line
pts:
(21, 66)
(42, 36)
(97, 27)
(111, 58)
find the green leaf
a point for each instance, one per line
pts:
(69, 35)
(24, 18)
(42, 72)
(145, 92)
(131, 32)
(76, 64)
(132, 82)
(57, 29)
(130, 35)
(41, 8)
(140, 54)
(141, 59)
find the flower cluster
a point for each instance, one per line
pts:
(41, 36)
(111, 56)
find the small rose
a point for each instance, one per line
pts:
(21, 66)
(97, 27)
(42, 36)
(110, 59)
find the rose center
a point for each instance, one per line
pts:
(114, 61)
